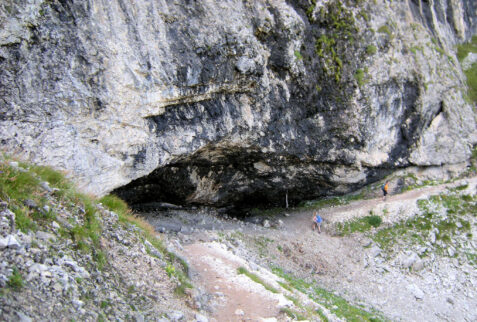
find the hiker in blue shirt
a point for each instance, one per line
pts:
(317, 220)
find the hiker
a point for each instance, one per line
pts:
(317, 220)
(384, 188)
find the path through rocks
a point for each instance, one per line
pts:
(348, 266)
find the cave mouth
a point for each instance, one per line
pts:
(236, 182)
(175, 187)
(232, 181)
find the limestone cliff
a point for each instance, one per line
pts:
(218, 103)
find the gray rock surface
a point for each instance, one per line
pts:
(231, 103)
(46, 275)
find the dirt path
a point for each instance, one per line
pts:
(356, 209)
(339, 263)
(236, 297)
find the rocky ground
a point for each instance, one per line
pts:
(50, 273)
(418, 264)
(430, 280)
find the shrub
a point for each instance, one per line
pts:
(359, 76)
(374, 220)
(371, 50)
(104, 304)
(170, 270)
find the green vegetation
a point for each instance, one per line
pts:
(471, 74)
(440, 50)
(309, 11)
(256, 279)
(170, 270)
(293, 314)
(364, 15)
(419, 184)
(415, 26)
(414, 49)
(464, 49)
(24, 183)
(117, 205)
(371, 50)
(262, 245)
(329, 202)
(444, 216)
(331, 46)
(15, 281)
(21, 182)
(104, 304)
(126, 217)
(358, 225)
(298, 55)
(359, 76)
(384, 29)
(336, 304)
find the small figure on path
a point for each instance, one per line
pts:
(384, 188)
(317, 222)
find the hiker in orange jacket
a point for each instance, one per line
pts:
(385, 188)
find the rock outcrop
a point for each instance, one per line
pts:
(234, 103)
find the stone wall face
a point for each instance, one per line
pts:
(213, 102)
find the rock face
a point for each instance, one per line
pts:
(234, 103)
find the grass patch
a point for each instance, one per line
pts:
(104, 304)
(262, 245)
(336, 304)
(460, 188)
(330, 202)
(298, 55)
(464, 49)
(296, 316)
(471, 74)
(415, 49)
(23, 220)
(22, 182)
(127, 217)
(285, 286)
(176, 267)
(442, 215)
(417, 185)
(322, 316)
(371, 50)
(116, 204)
(359, 76)
(257, 279)
(359, 225)
(53, 177)
(341, 33)
(384, 29)
(15, 281)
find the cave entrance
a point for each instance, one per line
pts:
(235, 184)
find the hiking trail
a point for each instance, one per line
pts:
(351, 266)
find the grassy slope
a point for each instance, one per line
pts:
(22, 183)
